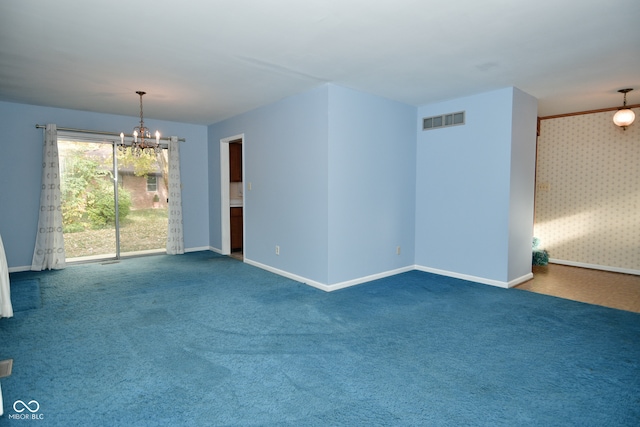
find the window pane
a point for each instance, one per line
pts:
(89, 205)
(448, 120)
(152, 183)
(88, 215)
(143, 193)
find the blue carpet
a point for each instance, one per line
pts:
(205, 340)
(25, 295)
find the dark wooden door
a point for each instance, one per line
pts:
(235, 162)
(236, 229)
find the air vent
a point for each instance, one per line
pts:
(5, 368)
(444, 120)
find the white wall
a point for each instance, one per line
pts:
(285, 160)
(522, 184)
(333, 184)
(372, 176)
(474, 189)
(339, 181)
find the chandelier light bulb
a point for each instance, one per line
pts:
(625, 116)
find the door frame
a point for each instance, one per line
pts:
(97, 138)
(225, 203)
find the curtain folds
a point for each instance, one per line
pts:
(6, 310)
(175, 238)
(49, 249)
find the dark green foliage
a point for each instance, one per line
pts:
(101, 208)
(87, 193)
(540, 256)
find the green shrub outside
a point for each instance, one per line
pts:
(101, 207)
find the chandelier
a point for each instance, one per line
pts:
(142, 140)
(625, 116)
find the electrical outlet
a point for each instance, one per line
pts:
(277, 250)
(544, 186)
(398, 250)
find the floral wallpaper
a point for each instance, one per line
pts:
(587, 205)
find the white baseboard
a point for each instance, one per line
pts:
(28, 267)
(325, 287)
(353, 282)
(212, 249)
(519, 280)
(288, 275)
(477, 279)
(595, 266)
(199, 249)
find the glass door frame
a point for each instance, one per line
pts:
(116, 200)
(98, 138)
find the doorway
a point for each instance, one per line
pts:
(114, 204)
(232, 196)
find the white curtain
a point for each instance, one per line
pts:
(6, 310)
(49, 251)
(175, 239)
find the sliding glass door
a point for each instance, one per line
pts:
(86, 181)
(108, 214)
(142, 196)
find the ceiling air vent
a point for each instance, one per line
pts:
(444, 120)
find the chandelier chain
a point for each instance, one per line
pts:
(141, 120)
(144, 135)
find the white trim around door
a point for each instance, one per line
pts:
(225, 203)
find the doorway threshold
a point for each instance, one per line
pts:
(112, 258)
(237, 255)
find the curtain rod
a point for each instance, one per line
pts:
(99, 132)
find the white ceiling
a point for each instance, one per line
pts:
(201, 61)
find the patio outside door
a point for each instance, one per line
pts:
(89, 187)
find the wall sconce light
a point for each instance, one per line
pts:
(624, 116)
